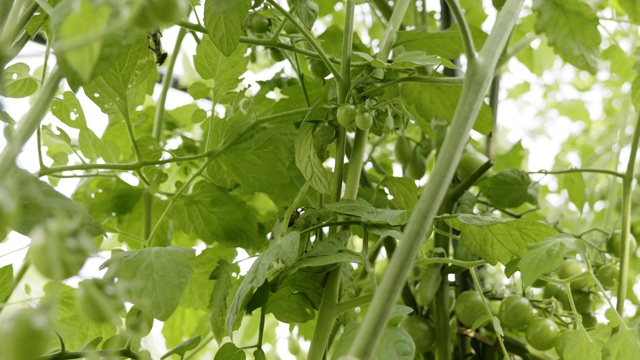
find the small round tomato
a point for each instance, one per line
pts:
(582, 300)
(346, 114)
(573, 267)
(469, 307)
(98, 300)
(562, 340)
(515, 312)
(403, 150)
(319, 69)
(589, 321)
(470, 161)
(26, 334)
(258, 24)
(324, 133)
(614, 243)
(608, 275)
(169, 11)
(421, 331)
(276, 54)
(417, 166)
(541, 333)
(364, 120)
(138, 322)
(259, 355)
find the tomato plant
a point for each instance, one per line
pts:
(26, 334)
(161, 156)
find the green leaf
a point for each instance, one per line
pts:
(92, 20)
(546, 256)
(184, 323)
(214, 215)
(446, 44)
(17, 83)
(409, 60)
(579, 346)
(198, 293)
(512, 159)
(572, 29)
(218, 301)
(115, 89)
(90, 144)
(499, 240)
(396, 344)
(366, 211)
(576, 187)
(280, 248)
(623, 345)
(224, 69)
(289, 305)
(69, 110)
(199, 90)
(632, 8)
(153, 278)
(308, 162)
(404, 191)
(150, 148)
(182, 349)
(509, 189)
(72, 326)
(428, 101)
(306, 11)
(229, 351)
(224, 25)
(6, 280)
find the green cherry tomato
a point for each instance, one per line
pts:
(324, 133)
(498, 4)
(470, 161)
(469, 307)
(562, 340)
(417, 166)
(364, 120)
(541, 333)
(421, 332)
(25, 334)
(258, 24)
(290, 28)
(346, 114)
(582, 300)
(138, 322)
(259, 355)
(318, 69)
(169, 11)
(276, 54)
(608, 275)
(614, 243)
(99, 301)
(59, 249)
(515, 312)
(572, 267)
(403, 150)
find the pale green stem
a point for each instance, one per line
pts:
(488, 311)
(477, 81)
(467, 39)
(166, 84)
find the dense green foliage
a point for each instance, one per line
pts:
(365, 195)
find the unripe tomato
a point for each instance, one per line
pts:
(572, 267)
(421, 331)
(324, 133)
(470, 161)
(515, 312)
(403, 150)
(589, 321)
(290, 28)
(541, 333)
(98, 300)
(276, 54)
(469, 307)
(258, 24)
(346, 114)
(562, 340)
(318, 69)
(608, 275)
(417, 167)
(25, 334)
(582, 301)
(138, 322)
(614, 243)
(498, 4)
(259, 355)
(169, 11)
(364, 120)
(59, 249)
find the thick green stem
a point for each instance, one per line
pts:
(30, 121)
(166, 84)
(467, 40)
(627, 183)
(326, 315)
(441, 299)
(477, 81)
(570, 171)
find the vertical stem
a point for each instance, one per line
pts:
(166, 84)
(477, 81)
(494, 94)
(627, 183)
(441, 299)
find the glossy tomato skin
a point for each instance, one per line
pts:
(515, 312)
(469, 307)
(417, 166)
(364, 120)
(258, 24)
(169, 11)
(25, 334)
(324, 133)
(573, 267)
(403, 150)
(614, 243)
(318, 69)
(276, 54)
(346, 114)
(608, 275)
(541, 333)
(421, 331)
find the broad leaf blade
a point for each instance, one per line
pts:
(224, 24)
(546, 256)
(366, 211)
(308, 162)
